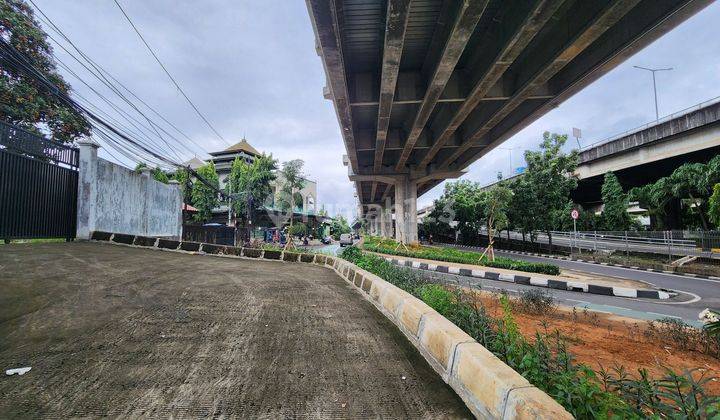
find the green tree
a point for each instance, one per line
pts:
(160, 175)
(157, 173)
(714, 206)
(614, 216)
(522, 212)
(298, 229)
(494, 207)
(339, 226)
(437, 222)
(293, 180)
(689, 182)
(23, 100)
(204, 197)
(656, 198)
(466, 197)
(252, 183)
(182, 176)
(550, 177)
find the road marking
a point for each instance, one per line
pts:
(695, 298)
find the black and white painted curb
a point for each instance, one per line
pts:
(566, 258)
(535, 281)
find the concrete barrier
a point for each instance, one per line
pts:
(489, 387)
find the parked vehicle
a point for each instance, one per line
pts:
(326, 240)
(346, 239)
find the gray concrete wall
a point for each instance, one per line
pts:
(115, 199)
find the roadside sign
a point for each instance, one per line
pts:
(574, 214)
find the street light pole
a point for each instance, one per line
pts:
(510, 149)
(653, 71)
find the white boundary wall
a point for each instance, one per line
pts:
(113, 198)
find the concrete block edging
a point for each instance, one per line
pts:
(536, 281)
(489, 387)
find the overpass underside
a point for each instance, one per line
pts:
(423, 88)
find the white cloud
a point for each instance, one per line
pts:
(251, 67)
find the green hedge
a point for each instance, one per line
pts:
(545, 361)
(386, 246)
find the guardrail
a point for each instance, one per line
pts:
(671, 243)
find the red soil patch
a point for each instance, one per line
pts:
(602, 340)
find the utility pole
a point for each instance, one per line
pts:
(653, 71)
(510, 150)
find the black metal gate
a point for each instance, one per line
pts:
(38, 186)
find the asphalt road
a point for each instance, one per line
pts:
(696, 294)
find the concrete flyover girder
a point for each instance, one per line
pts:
(419, 84)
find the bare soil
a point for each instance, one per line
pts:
(604, 340)
(125, 332)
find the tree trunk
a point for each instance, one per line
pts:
(701, 213)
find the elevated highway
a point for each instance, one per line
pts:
(424, 88)
(648, 153)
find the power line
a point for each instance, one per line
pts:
(168, 73)
(97, 72)
(14, 58)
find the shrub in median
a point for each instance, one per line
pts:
(546, 362)
(388, 246)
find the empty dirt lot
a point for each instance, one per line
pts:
(118, 331)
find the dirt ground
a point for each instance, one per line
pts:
(118, 331)
(604, 340)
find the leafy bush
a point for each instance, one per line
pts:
(437, 297)
(388, 246)
(546, 362)
(298, 229)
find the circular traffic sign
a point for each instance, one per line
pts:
(574, 214)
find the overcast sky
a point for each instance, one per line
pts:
(251, 68)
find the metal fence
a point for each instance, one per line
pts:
(670, 244)
(38, 186)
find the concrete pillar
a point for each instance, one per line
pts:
(384, 222)
(406, 210)
(87, 189)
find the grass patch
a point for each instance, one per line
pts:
(546, 362)
(389, 246)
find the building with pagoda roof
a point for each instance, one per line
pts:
(306, 198)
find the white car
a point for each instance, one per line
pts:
(346, 239)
